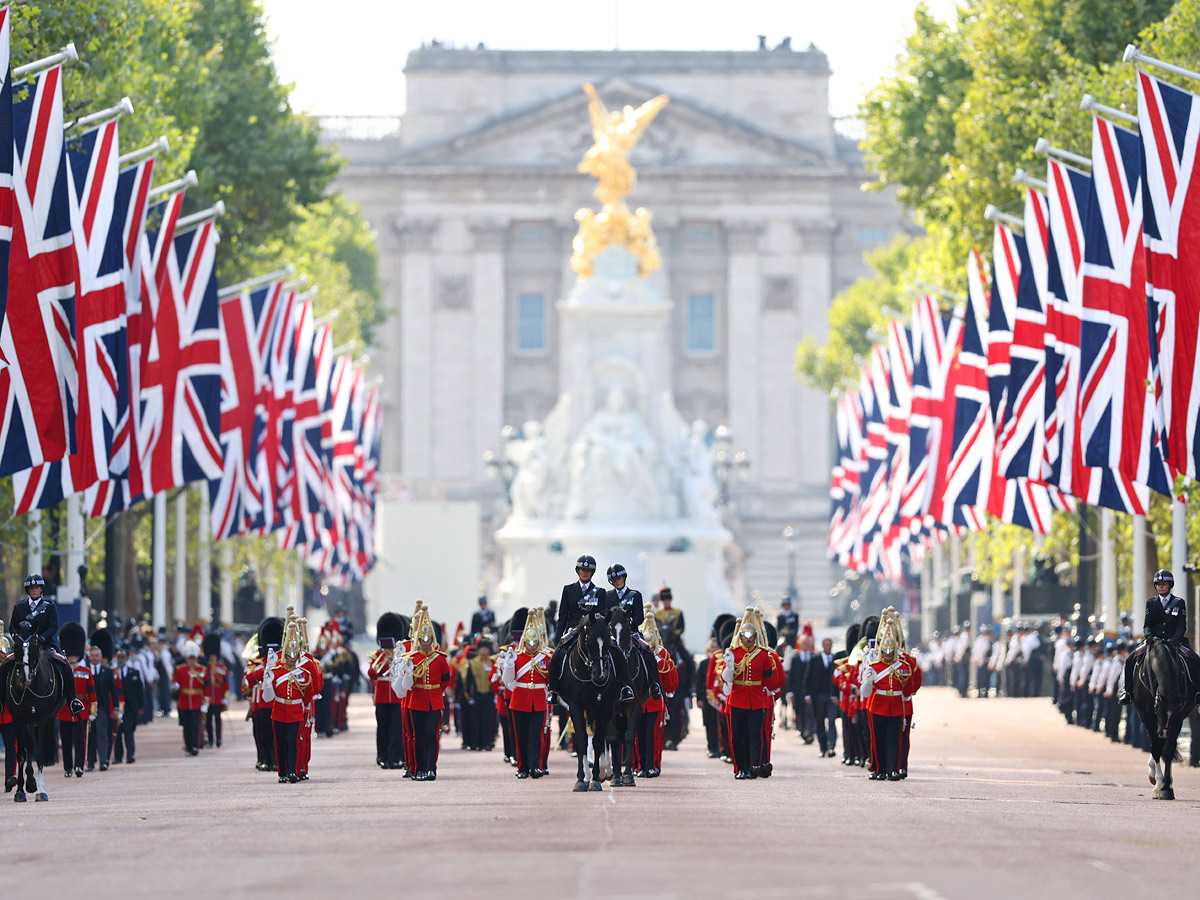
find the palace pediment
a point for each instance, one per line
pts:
(558, 133)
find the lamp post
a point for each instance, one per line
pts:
(728, 464)
(499, 466)
(789, 543)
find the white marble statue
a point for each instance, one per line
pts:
(612, 465)
(698, 481)
(534, 493)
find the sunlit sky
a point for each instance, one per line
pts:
(347, 57)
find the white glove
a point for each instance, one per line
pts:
(203, 707)
(867, 683)
(402, 676)
(92, 717)
(727, 672)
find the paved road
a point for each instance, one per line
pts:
(1002, 797)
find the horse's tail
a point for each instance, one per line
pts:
(1178, 756)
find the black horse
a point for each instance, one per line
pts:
(33, 693)
(675, 729)
(625, 716)
(1164, 693)
(590, 687)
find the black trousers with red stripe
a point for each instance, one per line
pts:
(286, 736)
(426, 725)
(527, 736)
(886, 732)
(746, 734)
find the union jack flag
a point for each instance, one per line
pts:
(246, 324)
(37, 339)
(1116, 401)
(181, 367)
(274, 460)
(309, 517)
(1168, 124)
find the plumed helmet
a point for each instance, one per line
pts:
(190, 649)
(852, 632)
(1161, 576)
(616, 571)
(586, 562)
(390, 625)
(870, 627)
(719, 623)
(211, 645)
(73, 639)
(665, 594)
(102, 639)
(270, 631)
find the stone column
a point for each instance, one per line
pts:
(416, 346)
(744, 318)
(811, 456)
(488, 286)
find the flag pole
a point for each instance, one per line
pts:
(1044, 148)
(1179, 542)
(180, 569)
(1108, 574)
(72, 558)
(124, 108)
(992, 214)
(251, 283)
(196, 219)
(309, 295)
(227, 580)
(173, 187)
(33, 542)
(162, 145)
(1022, 177)
(296, 284)
(349, 347)
(204, 558)
(160, 561)
(1134, 55)
(65, 55)
(1139, 573)
(1090, 103)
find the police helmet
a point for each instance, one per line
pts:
(1122, 645)
(1079, 642)
(1164, 576)
(615, 572)
(586, 562)
(34, 580)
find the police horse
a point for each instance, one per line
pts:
(623, 729)
(33, 694)
(590, 687)
(1164, 694)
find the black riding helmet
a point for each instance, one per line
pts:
(586, 562)
(1160, 577)
(615, 572)
(34, 580)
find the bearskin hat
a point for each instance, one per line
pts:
(211, 645)
(390, 625)
(73, 639)
(852, 632)
(870, 627)
(102, 639)
(719, 623)
(725, 633)
(772, 635)
(270, 631)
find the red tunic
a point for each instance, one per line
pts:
(846, 679)
(218, 685)
(431, 677)
(192, 684)
(750, 688)
(529, 690)
(85, 690)
(914, 682)
(379, 662)
(892, 687)
(669, 676)
(252, 684)
(293, 689)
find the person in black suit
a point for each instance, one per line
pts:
(41, 616)
(1166, 618)
(820, 694)
(482, 619)
(107, 701)
(134, 689)
(630, 602)
(796, 687)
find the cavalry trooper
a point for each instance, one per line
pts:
(745, 671)
(887, 685)
(578, 599)
(630, 602)
(523, 668)
(1166, 618)
(423, 675)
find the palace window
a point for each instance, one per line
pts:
(701, 324)
(874, 235)
(531, 323)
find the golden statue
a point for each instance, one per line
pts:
(615, 135)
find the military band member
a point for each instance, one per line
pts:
(73, 727)
(746, 670)
(288, 686)
(389, 727)
(648, 745)
(423, 676)
(887, 685)
(524, 670)
(670, 617)
(217, 689)
(189, 684)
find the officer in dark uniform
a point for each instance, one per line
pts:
(579, 598)
(630, 601)
(787, 623)
(1166, 618)
(41, 615)
(483, 619)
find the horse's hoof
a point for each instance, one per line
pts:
(1168, 794)
(31, 784)
(596, 786)
(41, 798)
(20, 797)
(1157, 795)
(580, 787)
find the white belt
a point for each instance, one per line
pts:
(890, 693)
(287, 702)
(521, 684)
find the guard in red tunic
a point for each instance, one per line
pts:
(914, 684)
(73, 728)
(887, 686)
(648, 744)
(190, 687)
(423, 675)
(774, 687)
(289, 687)
(747, 671)
(524, 670)
(313, 666)
(217, 696)
(389, 728)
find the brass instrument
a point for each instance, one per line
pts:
(650, 630)
(304, 645)
(250, 651)
(291, 642)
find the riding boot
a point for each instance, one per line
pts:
(621, 665)
(652, 671)
(1125, 697)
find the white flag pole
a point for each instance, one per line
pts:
(204, 556)
(159, 589)
(180, 606)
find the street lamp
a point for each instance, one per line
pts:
(499, 466)
(728, 464)
(789, 543)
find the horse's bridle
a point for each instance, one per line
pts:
(27, 686)
(581, 652)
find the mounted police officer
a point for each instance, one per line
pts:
(630, 602)
(580, 598)
(1166, 618)
(41, 617)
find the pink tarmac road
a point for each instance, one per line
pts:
(1003, 800)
